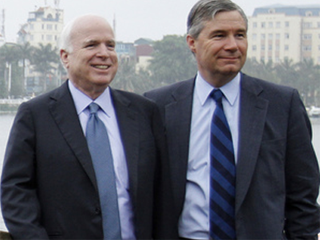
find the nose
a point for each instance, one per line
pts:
(103, 51)
(231, 43)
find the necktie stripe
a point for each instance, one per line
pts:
(221, 137)
(222, 175)
(218, 147)
(224, 218)
(220, 123)
(221, 232)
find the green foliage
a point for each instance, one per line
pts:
(304, 76)
(172, 61)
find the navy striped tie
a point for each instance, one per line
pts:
(222, 175)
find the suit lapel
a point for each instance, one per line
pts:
(63, 111)
(129, 131)
(178, 122)
(253, 111)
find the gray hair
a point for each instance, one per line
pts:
(65, 37)
(206, 10)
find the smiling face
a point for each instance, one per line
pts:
(93, 62)
(221, 47)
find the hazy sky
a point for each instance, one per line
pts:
(134, 18)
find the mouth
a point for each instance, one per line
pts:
(103, 67)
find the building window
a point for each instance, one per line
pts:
(278, 24)
(263, 25)
(278, 36)
(307, 36)
(286, 36)
(286, 47)
(263, 47)
(270, 47)
(287, 24)
(307, 25)
(270, 25)
(319, 47)
(42, 26)
(42, 37)
(55, 27)
(270, 36)
(263, 36)
(309, 14)
(277, 48)
(49, 26)
(254, 37)
(272, 10)
(318, 59)
(318, 24)
(306, 48)
(255, 25)
(49, 37)
(254, 47)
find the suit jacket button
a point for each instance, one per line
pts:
(98, 210)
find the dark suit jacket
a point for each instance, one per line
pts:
(277, 179)
(49, 187)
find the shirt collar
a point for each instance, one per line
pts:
(230, 90)
(82, 101)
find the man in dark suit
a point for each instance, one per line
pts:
(50, 186)
(269, 168)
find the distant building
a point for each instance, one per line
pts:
(125, 51)
(277, 32)
(43, 26)
(144, 50)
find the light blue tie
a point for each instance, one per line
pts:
(99, 146)
(222, 175)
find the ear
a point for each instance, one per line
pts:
(64, 57)
(191, 43)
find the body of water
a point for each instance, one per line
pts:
(7, 120)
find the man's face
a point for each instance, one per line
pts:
(93, 63)
(221, 47)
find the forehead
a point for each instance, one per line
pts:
(226, 20)
(94, 29)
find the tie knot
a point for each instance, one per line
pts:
(93, 107)
(217, 95)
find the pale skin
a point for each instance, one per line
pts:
(221, 48)
(93, 63)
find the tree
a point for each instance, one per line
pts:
(129, 80)
(9, 57)
(25, 53)
(309, 80)
(172, 61)
(45, 61)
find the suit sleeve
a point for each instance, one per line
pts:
(19, 202)
(165, 224)
(302, 176)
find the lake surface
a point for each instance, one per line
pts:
(6, 121)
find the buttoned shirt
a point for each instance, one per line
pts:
(194, 220)
(108, 117)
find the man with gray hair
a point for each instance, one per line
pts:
(241, 158)
(85, 161)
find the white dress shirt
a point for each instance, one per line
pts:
(108, 117)
(194, 220)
